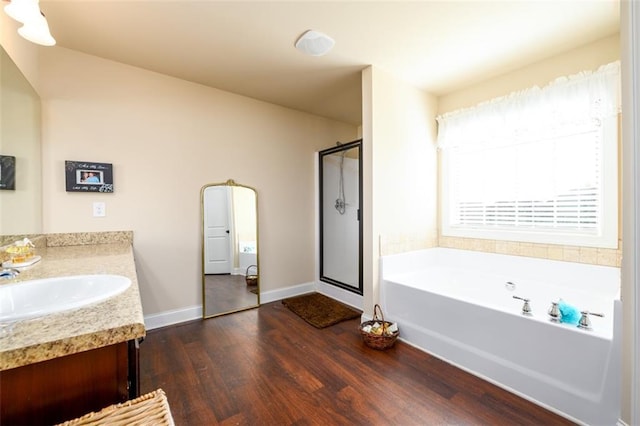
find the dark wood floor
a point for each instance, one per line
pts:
(266, 366)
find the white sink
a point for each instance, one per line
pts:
(29, 299)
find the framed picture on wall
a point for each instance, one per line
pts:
(7, 172)
(83, 176)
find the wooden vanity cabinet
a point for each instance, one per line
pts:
(67, 387)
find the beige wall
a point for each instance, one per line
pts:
(23, 53)
(399, 145)
(166, 138)
(588, 57)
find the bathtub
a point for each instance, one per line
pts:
(247, 256)
(457, 305)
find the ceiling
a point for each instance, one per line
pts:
(246, 47)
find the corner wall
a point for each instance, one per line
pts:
(399, 134)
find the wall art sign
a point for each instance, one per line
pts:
(82, 176)
(7, 172)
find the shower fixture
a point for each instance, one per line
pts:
(341, 204)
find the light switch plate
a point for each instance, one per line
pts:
(99, 209)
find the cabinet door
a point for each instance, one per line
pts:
(64, 388)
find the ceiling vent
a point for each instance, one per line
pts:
(314, 43)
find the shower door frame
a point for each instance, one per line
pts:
(321, 154)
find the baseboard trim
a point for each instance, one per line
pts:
(347, 297)
(175, 316)
(283, 293)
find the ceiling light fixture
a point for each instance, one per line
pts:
(35, 28)
(314, 43)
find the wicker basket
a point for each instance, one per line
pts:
(252, 279)
(151, 409)
(383, 341)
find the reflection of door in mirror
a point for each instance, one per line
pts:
(340, 224)
(229, 248)
(217, 230)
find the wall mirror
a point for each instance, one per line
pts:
(20, 207)
(340, 219)
(230, 268)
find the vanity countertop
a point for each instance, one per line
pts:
(112, 321)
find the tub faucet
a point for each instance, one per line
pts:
(584, 322)
(526, 308)
(554, 312)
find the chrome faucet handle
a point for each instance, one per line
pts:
(584, 322)
(554, 312)
(526, 307)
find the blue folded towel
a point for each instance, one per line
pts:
(568, 314)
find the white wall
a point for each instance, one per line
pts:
(166, 138)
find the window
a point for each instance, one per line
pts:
(537, 166)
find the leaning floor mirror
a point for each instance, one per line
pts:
(230, 268)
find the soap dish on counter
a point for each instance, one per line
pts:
(28, 262)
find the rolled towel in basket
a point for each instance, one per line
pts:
(377, 328)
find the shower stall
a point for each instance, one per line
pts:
(340, 218)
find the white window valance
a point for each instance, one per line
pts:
(563, 106)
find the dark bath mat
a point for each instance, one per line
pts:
(319, 310)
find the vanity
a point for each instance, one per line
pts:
(60, 366)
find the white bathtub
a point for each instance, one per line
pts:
(455, 305)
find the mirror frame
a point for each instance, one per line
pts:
(229, 183)
(321, 154)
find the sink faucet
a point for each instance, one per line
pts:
(9, 273)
